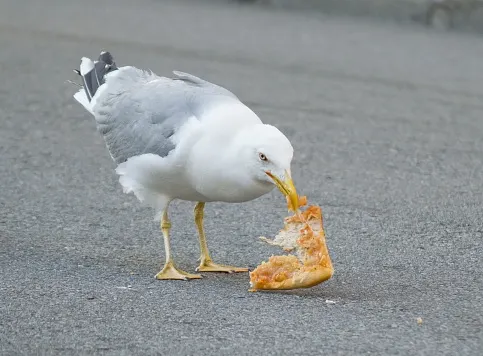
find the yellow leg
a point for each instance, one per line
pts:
(169, 270)
(207, 264)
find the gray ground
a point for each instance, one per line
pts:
(387, 126)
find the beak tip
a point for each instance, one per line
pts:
(287, 187)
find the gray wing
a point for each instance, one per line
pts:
(137, 112)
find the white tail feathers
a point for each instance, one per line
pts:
(81, 97)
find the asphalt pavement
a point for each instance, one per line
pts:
(386, 122)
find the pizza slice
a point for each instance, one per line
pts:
(304, 234)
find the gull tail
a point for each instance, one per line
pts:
(93, 76)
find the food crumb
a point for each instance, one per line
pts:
(419, 321)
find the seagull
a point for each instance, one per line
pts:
(183, 138)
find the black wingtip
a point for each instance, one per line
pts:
(107, 58)
(95, 77)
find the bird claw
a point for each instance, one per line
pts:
(210, 266)
(169, 271)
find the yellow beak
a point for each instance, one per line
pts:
(287, 188)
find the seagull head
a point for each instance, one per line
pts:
(267, 156)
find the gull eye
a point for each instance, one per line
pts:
(262, 157)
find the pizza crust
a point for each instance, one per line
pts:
(311, 265)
